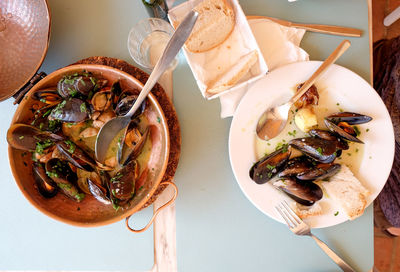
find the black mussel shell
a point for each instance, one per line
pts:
(72, 85)
(25, 137)
(76, 156)
(328, 135)
(268, 166)
(296, 166)
(45, 185)
(126, 103)
(339, 131)
(349, 117)
(320, 171)
(303, 192)
(122, 185)
(60, 172)
(323, 134)
(318, 149)
(98, 192)
(71, 110)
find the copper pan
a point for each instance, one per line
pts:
(89, 212)
(24, 39)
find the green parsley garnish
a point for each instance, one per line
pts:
(336, 213)
(83, 107)
(46, 113)
(337, 104)
(158, 119)
(53, 174)
(42, 100)
(21, 137)
(80, 196)
(367, 130)
(357, 130)
(71, 146)
(41, 146)
(292, 133)
(319, 150)
(270, 167)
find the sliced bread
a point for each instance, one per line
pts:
(215, 23)
(232, 75)
(345, 189)
(306, 211)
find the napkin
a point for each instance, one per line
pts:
(279, 45)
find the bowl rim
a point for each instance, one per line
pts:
(130, 210)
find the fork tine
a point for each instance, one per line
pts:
(290, 225)
(289, 216)
(290, 210)
(289, 221)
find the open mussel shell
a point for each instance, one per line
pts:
(126, 103)
(349, 117)
(64, 177)
(71, 110)
(318, 149)
(303, 192)
(25, 137)
(45, 185)
(49, 96)
(98, 192)
(341, 132)
(328, 135)
(320, 171)
(268, 166)
(71, 85)
(76, 156)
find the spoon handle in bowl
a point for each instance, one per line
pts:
(343, 46)
(171, 50)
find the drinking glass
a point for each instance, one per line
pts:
(147, 40)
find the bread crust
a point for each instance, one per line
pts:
(199, 9)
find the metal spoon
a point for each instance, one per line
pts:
(110, 129)
(273, 120)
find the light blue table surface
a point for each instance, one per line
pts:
(218, 229)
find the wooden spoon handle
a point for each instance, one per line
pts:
(343, 46)
(330, 29)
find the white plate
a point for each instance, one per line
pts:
(337, 85)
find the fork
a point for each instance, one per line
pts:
(298, 227)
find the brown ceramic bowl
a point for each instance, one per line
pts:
(89, 212)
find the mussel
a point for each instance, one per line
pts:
(303, 192)
(71, 110)
(296, 166)
(320, 171)
(76, 156)
(48, 96)
(126, 103)
(268, 166)
(60, 172)
(98, 192)
(327, 135)
(346, 131)
(349, 117)
(72, 85)
(341, 123)
(318, 149)
(45, 185)
(26, 137)
(122, 185)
